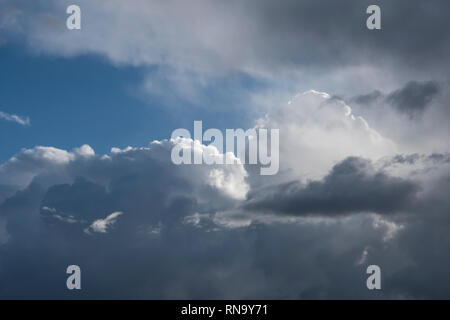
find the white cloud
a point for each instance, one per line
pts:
(229, 179)
(232, 185)
(84, 151)
(363, 258)
(22, 168)
(15, 118)
(52, 212)
(103, 225)
(317, 131)
(60, 166)
(389, 228)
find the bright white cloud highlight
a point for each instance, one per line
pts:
(60, 166)
(317, 131)
(103, 225)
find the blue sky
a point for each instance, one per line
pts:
(88, 100)
(71, 102)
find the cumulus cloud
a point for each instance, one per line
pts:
(79, 179)
(231, 180)
(360, 183)
(317, 131)
(413, 115)
(29, 163)
(227, 226)
(174, 216)
(15, 118)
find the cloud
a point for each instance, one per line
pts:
(175, 217)
(368, 98)
(53, 213)
(15, 118)
(413, 116)
(362, 260)
(168, 30)
(352, 186)
(257, 39)
(225, 232)
(103, 225)
(412, 99)
(23, 167)
(86, 174)
(357, 184)
(317, 131)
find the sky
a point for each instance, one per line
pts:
(87, 177)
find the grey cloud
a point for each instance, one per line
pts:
(352, 186)
(265, 35)
(5, 192)
(89, 188)
(179, 261)
(368, 98)
(152, 253)
(412, 99)
(410, 159)
(287, 45)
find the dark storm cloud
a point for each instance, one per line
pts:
(151, 252)
(334, 32)
(44, 226)
(136, 260)
(352, 186)
(324, 33)
(412, 99)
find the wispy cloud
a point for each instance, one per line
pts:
(102, 225)
(15, 118)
